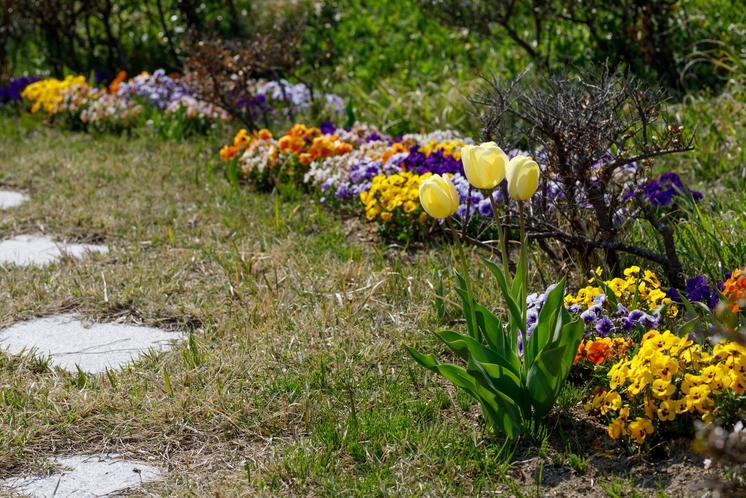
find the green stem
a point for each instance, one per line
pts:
(466, 275)
(524, 269)
(500, 237)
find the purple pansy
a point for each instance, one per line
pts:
(605, 326)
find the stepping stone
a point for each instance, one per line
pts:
(26, 250)
(67, 341)
(86, 476)
(10, 199)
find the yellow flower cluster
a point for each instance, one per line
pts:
(647, 287)
(449, 148)
(388, 195)
(46, 93)
(668, 377)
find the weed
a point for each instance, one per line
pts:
(578, 463)
(570, 396)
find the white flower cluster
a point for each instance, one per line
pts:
(198, 109)
(298, 96)
(95, 105)
(260, 156)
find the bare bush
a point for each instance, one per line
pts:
(221, 71)
(596, 136)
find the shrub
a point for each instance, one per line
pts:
(222, 72)
(596, 137)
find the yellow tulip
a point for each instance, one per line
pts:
(484, 165)
(523, 177)
(438, 196)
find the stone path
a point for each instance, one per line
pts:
(10, 199)
(86, 476)
(93, 347)
(25, 250)
(69, 343)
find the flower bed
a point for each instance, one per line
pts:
(363, 170)
(158, 100)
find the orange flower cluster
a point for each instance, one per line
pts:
(323, 147)
(735, 289)
(298, 139)
(242, 139)
(310, 144)
(601, 349)
(395, 149)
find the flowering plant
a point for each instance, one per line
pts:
(734, 290)
(395, 201)
(630, 305)
(82, 106)
(515, 376)
(46, 93)
(667, 384)
(661, 192)
(12, 93)
(602, 349)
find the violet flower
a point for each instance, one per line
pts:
(605, 326)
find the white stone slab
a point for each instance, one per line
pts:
(68, 342)
(86, 476)
(9, 199)
(25, 250)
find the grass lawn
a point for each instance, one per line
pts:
(294, 380)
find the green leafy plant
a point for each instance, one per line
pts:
(515, 386)
(578, 463)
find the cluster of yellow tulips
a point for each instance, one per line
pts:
(485, 166)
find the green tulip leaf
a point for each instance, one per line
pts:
(466, 307)
(505, 381)
(513, 307)
(467, 348)
(518, 284)
(503, 411)
(548, 327)
(687, 328)
(544, 380)
(571, 334)
(455, 374)
(232, 171)
(491, 327)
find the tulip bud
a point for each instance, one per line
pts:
(439, 197)
(484, 165)
(523, 177)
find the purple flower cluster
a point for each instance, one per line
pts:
(328, 128)
(598, 320)
(435, 163)
(362, 173)
(12, 93)
(698, 290)
(635, 317)
(101, 78)
(661, 192)
(158, 88)
(257, 105)
(534, 304)
(595, 318)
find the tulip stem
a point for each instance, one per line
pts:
(501, 237)
(466, 276)
(524, 266)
